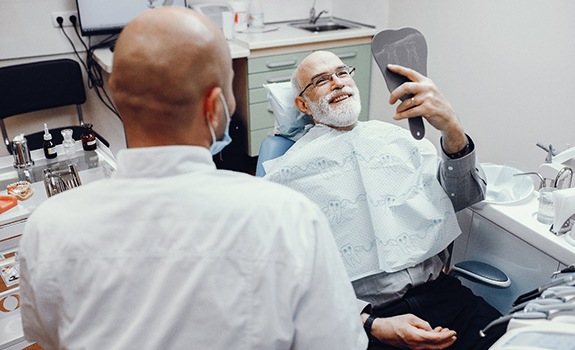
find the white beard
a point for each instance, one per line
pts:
(343, 115)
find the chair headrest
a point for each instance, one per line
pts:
(289, 121)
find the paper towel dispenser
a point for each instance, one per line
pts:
(213, 11)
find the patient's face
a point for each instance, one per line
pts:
(336, 103)
(341, 114)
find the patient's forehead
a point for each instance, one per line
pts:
(317, 63)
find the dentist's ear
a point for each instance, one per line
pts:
(213, 106)
(302, 105)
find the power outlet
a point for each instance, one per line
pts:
(65, 16)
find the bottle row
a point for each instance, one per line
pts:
(88, 138)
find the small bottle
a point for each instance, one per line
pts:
(49, 146)
(68, 143)
(256, 18)
(88, 138)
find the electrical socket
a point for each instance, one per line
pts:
(66, 16)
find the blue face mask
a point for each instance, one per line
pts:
(218, 145)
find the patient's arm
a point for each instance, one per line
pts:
(459, 177)
(462, 179)
(411, 332)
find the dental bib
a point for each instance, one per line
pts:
(378, 188)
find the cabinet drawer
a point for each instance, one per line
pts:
(261, 116)
(258, 95)
(256, 138)
(258, 79)
(353, 55)
(276, 62)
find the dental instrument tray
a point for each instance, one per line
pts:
(56, 181)
(405, 47)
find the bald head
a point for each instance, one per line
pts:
(166, 61)
(334, 98)
(314, 63)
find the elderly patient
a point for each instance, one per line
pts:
(171, 253)
(391, 204)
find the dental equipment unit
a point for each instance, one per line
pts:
(552, 304)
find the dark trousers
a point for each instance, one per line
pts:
(446, 303)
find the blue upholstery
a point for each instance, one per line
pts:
(272, 147)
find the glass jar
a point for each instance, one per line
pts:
(88, 138)
(68, 143)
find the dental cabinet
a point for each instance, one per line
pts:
(271, 56)
(90, 166)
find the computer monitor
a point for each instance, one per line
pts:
(98, 17)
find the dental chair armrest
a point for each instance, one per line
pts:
(272, 147)
(481, 272)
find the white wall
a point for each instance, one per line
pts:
(27, 34)
(282, 10)
(506, 66)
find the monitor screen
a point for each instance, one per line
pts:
(99, 17)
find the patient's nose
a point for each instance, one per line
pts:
(336, 82)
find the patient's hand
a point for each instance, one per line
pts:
(428, 102)
(410, 332)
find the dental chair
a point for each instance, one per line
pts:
(290, 123)
(272, 147)
(40, 86)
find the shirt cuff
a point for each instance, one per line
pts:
(363, 306)
(469, 147)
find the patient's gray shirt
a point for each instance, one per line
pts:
(464, 183)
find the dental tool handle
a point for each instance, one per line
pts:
(527, 296)
(497, 321)
(537, 292)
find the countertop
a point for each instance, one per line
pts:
(105, 56)
(520, 220)
(287, 35)
(279, 35)
(8, 174)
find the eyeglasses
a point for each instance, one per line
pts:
(344, 72)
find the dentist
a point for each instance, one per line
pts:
(171, 253)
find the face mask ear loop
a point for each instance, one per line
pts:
(211, 128)
(227, 113)
(226, 110)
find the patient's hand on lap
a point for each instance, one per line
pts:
(410, 332)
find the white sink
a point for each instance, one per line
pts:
(505, 188)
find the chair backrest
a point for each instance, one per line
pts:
(272, 147)
(40, 85)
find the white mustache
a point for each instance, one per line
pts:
(345, 89)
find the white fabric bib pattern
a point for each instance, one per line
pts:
(378, 188)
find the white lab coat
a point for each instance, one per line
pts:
(173, 254)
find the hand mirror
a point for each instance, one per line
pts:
(405, 47)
